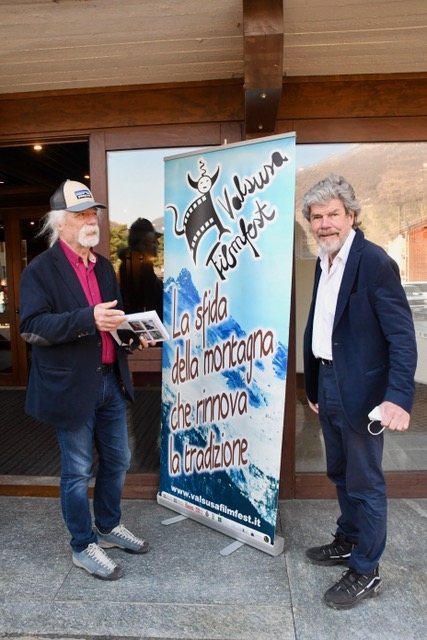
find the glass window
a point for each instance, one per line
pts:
(136, 211)
(390, 181)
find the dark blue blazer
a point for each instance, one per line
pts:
(64, 377)
(373, 340)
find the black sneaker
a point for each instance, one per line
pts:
(337, 552)
(352, 588)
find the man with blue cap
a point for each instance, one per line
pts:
(79, 379)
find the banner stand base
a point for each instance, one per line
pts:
(174, 520)
(231, 548)
(228, 550)
(274, 549)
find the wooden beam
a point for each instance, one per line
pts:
(263, 63)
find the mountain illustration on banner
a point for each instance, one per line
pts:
(250, 489)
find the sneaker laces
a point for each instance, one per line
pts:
(125, 534)
(95, 552)
(351, 581)
(338, 542)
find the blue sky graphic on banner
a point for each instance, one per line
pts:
(229, 220)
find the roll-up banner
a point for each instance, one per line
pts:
(229, 226)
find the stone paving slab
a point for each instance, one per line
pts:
(185, 590)
(399, 613)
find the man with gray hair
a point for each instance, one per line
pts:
(360, 355)
(79, 378)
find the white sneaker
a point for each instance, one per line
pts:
(96, 562)
(122, 538)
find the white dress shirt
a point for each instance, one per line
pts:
(326, 299)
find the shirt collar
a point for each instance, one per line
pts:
(73, 256)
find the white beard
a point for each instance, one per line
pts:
(89, 235)
(331, 244)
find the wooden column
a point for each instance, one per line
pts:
(263, 63)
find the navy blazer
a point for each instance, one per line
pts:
(65, 376)
(374, 348)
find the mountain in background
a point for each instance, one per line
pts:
(390, 181)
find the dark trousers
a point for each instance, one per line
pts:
(354, 464)
(106, 428)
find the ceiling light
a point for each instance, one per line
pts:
(37, 147)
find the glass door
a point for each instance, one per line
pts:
(18, 245)
(7, 362)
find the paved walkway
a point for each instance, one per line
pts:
(184, 589)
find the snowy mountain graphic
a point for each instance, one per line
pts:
(251, 488)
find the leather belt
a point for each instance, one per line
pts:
(326, 363)
(106, 368)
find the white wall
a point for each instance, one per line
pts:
(304, 277)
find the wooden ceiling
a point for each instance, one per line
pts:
(60, 44)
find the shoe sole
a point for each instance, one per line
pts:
(115, 575)
(329, 563)
(373, 593)
(111, 545)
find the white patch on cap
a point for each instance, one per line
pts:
(83, 193)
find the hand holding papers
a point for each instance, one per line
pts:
(146, 325)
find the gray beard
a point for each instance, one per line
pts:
(330, 247)
(87, 238)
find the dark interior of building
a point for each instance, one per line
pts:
(30, 176)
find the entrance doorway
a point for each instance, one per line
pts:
(29, 454)
(28, 178)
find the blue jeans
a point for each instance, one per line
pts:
(354, 464)
(107, 429)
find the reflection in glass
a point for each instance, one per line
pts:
(5, 348)
(136, 218)
(390, 181)
(136, 210)
(141, 288)
(31, 245)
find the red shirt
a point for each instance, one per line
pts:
(90, 286)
